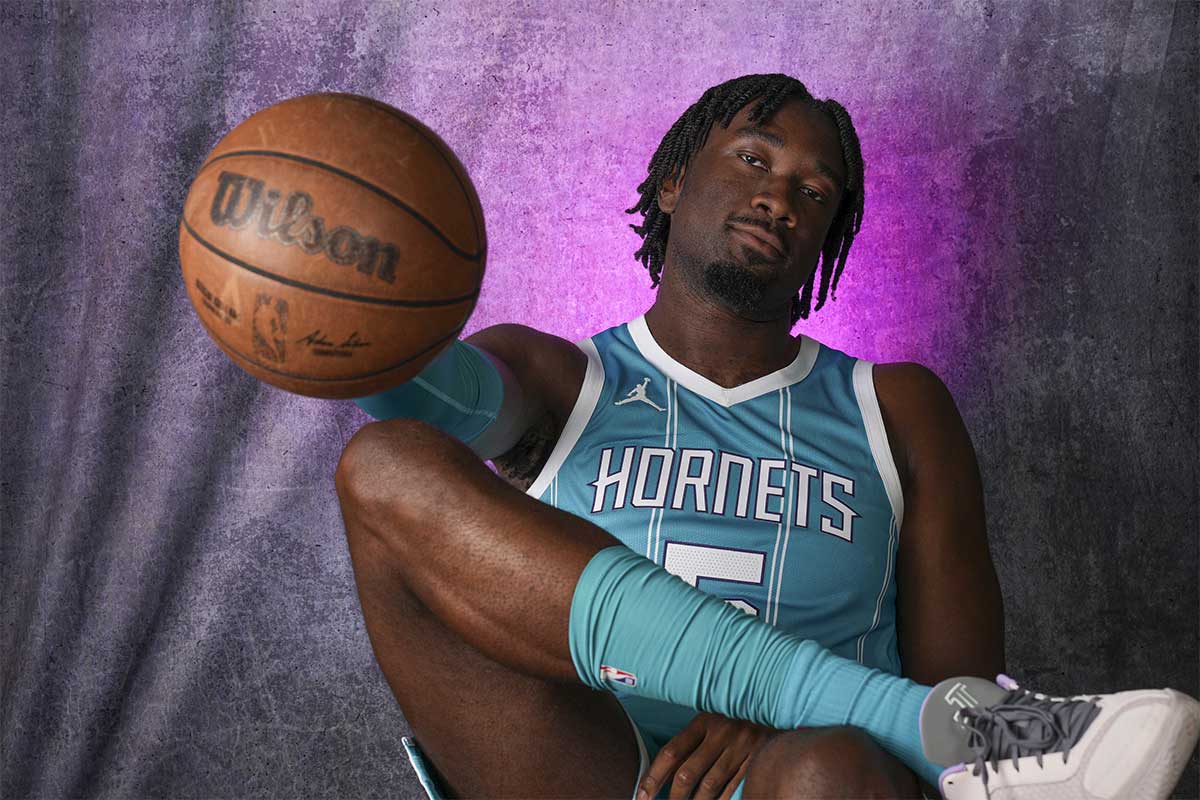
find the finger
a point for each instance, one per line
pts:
(665, 762)
(737, 778)
(694, 768)
(713, 783)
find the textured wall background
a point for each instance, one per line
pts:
(179, 617)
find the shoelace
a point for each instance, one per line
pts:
(1025, 725)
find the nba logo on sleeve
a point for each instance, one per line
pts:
(615, 675)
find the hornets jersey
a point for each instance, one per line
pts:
(779, 496)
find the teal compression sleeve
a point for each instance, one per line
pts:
(460, 392)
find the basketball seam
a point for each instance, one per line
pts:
(330, 379)
(441, 147)
(350, 176)
(383, 301)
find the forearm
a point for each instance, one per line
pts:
(464, 392)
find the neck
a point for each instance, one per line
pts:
(713, 341)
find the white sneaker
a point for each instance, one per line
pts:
(1026, 746)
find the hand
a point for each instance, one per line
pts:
(710, 755)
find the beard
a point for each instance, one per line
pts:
(744, 284)
(736, 286)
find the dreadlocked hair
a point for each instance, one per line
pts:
(721, 104)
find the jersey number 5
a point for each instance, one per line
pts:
(694, 562)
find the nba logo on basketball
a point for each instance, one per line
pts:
(617, 675)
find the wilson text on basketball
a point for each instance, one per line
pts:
(242, 201)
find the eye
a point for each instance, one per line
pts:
(815, 195)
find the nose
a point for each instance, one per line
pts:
(774, 199)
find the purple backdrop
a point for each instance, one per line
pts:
(179, 617)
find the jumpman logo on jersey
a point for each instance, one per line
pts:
(639, 393)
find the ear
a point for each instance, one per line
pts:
(668, 193)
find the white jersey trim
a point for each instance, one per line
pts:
(796, 371)
(581, 413)
(868, 406)
(893, 530)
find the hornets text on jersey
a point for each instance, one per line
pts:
(779, 495)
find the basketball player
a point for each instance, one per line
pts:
(529, 624)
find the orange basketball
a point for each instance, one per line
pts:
(332, 245)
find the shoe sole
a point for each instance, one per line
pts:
(1159, 780)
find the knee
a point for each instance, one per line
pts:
(396, 465)
(835, 762)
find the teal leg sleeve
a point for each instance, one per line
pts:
(635, 625)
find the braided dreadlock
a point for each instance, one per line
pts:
(721, 104)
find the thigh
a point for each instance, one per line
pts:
(488, 729)
(830, 762)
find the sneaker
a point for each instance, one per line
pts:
(998, 740)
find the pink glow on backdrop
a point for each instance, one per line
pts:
(558, 115)
(567, 266)
(564, 141)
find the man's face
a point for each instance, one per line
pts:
(783, 178)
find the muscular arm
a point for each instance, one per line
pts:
(550, 371)
(949, 610)
(950, 615)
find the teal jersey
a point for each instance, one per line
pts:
(779, 496)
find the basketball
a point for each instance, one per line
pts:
(332, 245)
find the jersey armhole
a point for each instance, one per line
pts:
(868, 406)
(581, 413)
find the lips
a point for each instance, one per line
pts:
(765, 237)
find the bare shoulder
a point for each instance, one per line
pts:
(919, 414)
(550, 371)
(906, 386)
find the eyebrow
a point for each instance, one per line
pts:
(762, 134)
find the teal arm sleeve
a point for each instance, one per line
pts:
(461, 392)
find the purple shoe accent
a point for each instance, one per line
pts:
(948, 771)
(1006, 682)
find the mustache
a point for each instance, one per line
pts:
(773, 232)
(757, 222)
